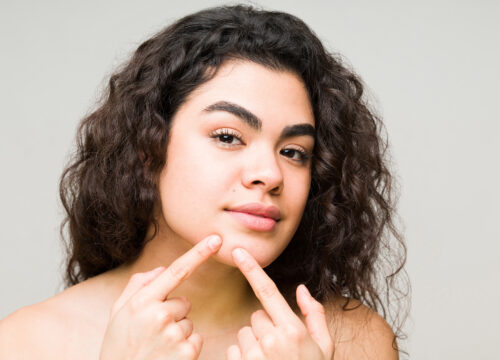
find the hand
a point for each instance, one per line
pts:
(144, 324)
(277, 332)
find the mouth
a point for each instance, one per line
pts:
(255, 222)
(258, 209)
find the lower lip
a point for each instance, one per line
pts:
(254, 222)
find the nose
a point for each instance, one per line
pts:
(263, 171)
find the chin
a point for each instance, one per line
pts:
(224, 255)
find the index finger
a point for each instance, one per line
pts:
(181, 268)
(264, 288)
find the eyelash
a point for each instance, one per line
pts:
(304, 156)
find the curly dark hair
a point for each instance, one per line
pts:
(347, 243)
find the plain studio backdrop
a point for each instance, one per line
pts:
(432, 70)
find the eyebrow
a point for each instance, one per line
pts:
(254, 122)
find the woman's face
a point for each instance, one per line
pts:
(239, 139)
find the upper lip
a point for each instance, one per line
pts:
(259, 209)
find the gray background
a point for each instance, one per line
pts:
(432, 68)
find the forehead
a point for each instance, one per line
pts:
(267, 93)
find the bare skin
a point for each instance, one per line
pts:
(73, 323)
(224, 294)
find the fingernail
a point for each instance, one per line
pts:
(304, 290)
(239, 255)
(214, 242)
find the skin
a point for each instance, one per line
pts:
(203, 302)
(231, 172)
(228, 174)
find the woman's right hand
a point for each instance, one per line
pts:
(144, 324)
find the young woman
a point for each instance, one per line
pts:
(229, 198)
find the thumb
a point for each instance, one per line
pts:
(315, 318)
(136, 282)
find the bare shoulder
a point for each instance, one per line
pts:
(359, 332)
(30, 332)
(56, 327)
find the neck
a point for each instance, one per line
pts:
(220, 295)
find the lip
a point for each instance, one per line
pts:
(256, 216)
(259, 209)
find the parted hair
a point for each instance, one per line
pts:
(347, 243)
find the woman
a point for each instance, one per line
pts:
(230, 142)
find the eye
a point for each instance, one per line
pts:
(226, 137)
(298, 155)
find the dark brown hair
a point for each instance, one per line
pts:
(346, 243)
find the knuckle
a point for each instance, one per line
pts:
(268, 342)
(232, 352)
(163, 317)
(186, 303)
(186, 349)
(189, 327)
(178, 271)
(196, 340)
(261, 312)
(244, 331)
(268, 290)
(137, 277)
(292, 332)
(254, 354)
(174, 334)
(137, 303)
(255, 315)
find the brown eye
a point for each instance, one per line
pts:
(226, 137)
(296, 154)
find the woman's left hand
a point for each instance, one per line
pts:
(277, 332)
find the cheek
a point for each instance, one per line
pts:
(196, 185)
(298, 191)
(193, 189)
(192, 173)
